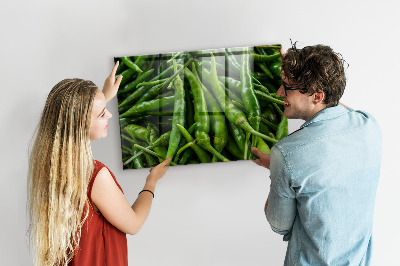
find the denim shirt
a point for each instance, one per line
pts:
(324, 178)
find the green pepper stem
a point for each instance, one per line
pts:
(268, 123)
(269, 98)
(187, 145)
(246, 146)
(263, 136)
(151, 152)
(211, 149)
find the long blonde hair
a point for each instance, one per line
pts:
(60, 167)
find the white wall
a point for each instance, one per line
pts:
(202, 214)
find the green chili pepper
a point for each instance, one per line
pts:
(264, 58)
(149, 106)
(137, 161)
(189, 107)
(153, 137)
(217, 119)
(156, 90)
(151, 152)
(238, 136)
(231, 112)
(186, 156)
(126, 75)
(268, 123)
(140, 91)
(246, 146)
(261, 88)
(202, 154)
(121, 66)
(233, 64)
(268, 98)
(276, 68)
(264, 128)
(229, 93)
(132, 85)
(150, 161)
(166, 94)
(183, 148)
(128, 62)
(270, 115)
(130, 140)
(151, 83)
(233, 149)
(137, 131)
(282, 130)
(140, 60)
(179, 115)
(265, 69)
(233, 84)
(201, 114)
(161, 142)
(263, 147)
(271, 87)
(183, 140)
(248, 95)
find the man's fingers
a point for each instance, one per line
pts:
(256, 151)
(257, 161)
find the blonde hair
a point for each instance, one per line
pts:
(60, 167)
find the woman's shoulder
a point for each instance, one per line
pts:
(101, 168)
(98, 164)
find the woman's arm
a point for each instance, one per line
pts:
(114, 206)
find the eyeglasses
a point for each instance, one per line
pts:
(286, 88)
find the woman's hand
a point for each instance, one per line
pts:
(111, 85)
(158, 171)
(264, 159)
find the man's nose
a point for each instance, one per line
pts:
(280, 92)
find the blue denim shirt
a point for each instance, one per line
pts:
(324, 178)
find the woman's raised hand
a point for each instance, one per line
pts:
(158, 171)
(111, 85)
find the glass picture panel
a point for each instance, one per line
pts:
(199, 106)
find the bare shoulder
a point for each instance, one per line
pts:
(103, 184)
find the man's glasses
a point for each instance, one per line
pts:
(286, 88)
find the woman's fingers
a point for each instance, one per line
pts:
(114, 70)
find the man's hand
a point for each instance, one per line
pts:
(111, 85)
(264, 159)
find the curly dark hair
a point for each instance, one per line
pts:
(316, 69)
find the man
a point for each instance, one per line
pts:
(324, 175)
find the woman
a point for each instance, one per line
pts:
(78, 212)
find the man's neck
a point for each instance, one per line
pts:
(318, 108)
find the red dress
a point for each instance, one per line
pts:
(101, 243)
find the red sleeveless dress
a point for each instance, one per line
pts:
(101, 243)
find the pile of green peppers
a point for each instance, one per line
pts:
(200, 106)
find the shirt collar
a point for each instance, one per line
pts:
(325, 114)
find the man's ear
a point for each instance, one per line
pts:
(318, 97)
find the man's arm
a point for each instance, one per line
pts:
(280, 208)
